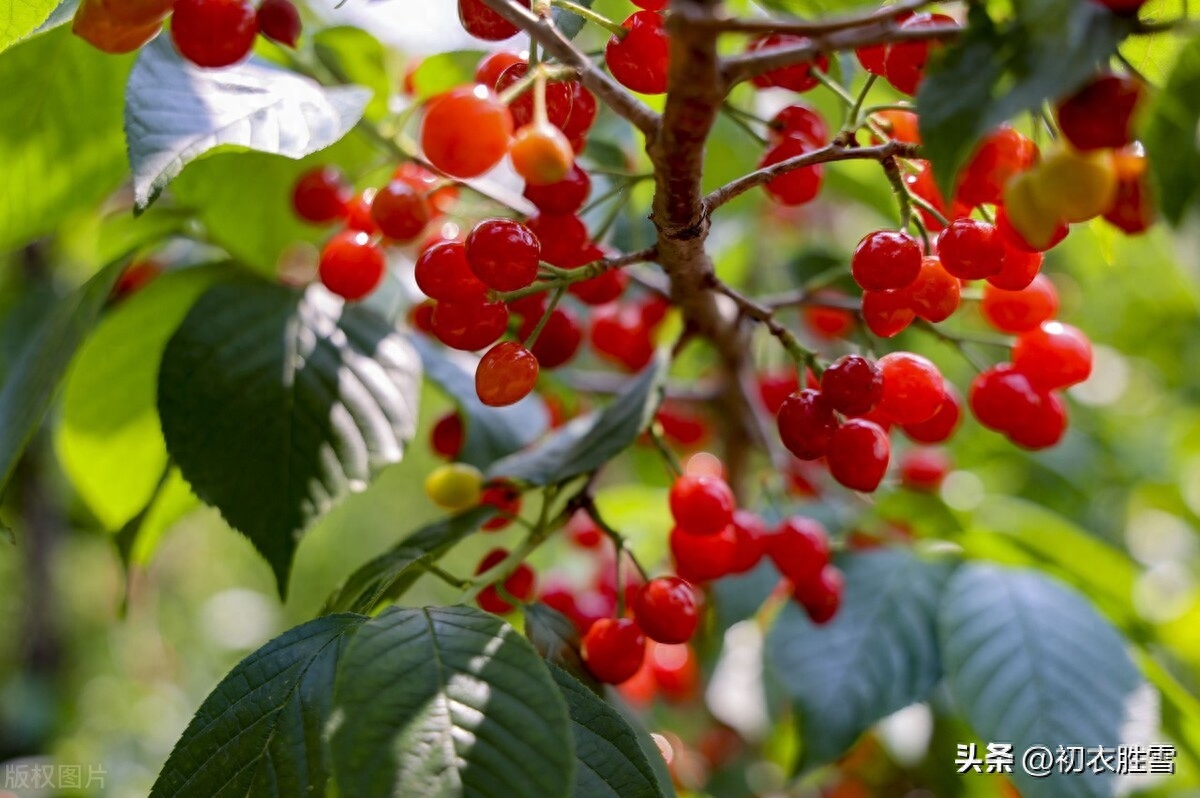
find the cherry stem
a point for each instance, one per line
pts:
(739, 118)
(503, 569)
(445, 576)
(540, 117)
(674, 468)
(892, 170)
(591, 16)
(589, 506)
(855, 117)
(537, 331)
(846, 97)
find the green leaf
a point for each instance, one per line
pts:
(389, 574)
(590, 441)
(556, 638)
(260, 733)
(60, 132)
(277, 404)
(1170, 137)
(570, 24)
(878, 655)
(445, 71)
(108, 439)
(173, 501)
(448, 701)
(491, 432)
(609, 762)
(176, 112)
(1028, 661)
(357, 57)
(31, 383)
(993, 73)
(20, 18)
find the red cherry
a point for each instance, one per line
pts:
(886, 260)
(858, 454)
(420, 316)
(519, 584)
(822, 597)
(541, 154)
(1016, 241)
(564, 197)
(1099, 116)
(651, 5)
(448, 434)
(1003, 398)
(351, 266)
(505, 497)
(492, 66)
(562, 237)
(935, 294)
(440, 194)
(466, 131)
(942, 425)
(1018, 269)
(904, 63)
(886, 313)
(484, 23)
(826, 321)
(279, 21)
(680, 425)
(136, 276)
(852, 385)
(400, 212)
(1020, 311)
(619, 334)
(1045, 427)
(800, 121)
(560, 97)
(443, 273)
(923, 184)
(798, 186)
(775, 388)
(971, 249)
(358, 213)
(1133, 211)
(469, 325)
(503, 254)
(702, 558)
(1124, 7)
(702, 505)
(666, 609)
(872, 57)
(613, 649)
(559, 340)
(676, 671)
(506, 374)
(806, 424)
(638, 60)
(321, 195)
(601, 289)
(797, 78)
(799, 548)
(583, 532)
(583, 113)
(924, 469)
(214, 33)
(750, 532)
(1003, 153)
(899, 125)
(913, 388)
(1053, 356)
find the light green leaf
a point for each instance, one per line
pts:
(1170, 137)
(445, 71)
(20, 18)
(448, 702)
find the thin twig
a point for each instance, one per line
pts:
(765, 316)
(585, 272)
(801, 27)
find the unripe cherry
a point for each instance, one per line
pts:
(541, 154)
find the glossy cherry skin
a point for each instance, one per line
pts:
(214, 33)
(667, 610)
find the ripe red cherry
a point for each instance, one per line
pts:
(971, 249)
(801, 121)
(1020, 311)
(825, 320)
(279, 21)
(775, 388)
(822, 597)
(806, 423)
(447, 436)
(583, 532)
(506, 374)
(469, 325)
(904, 64)
(702, 505)
(358, 213)
(702, 558)
(492, 66)
(321, 195)
(886, 260)
(351, 266)
(562, 236)
(1053, 356)
(666, 610)
(1100, 115)
(400, 212)
(440, 194)
(1003, 153)
(559, 340)
(503, 254)
(1045, 426)
(858, 454)
(799, 548)
(520, 584)
(638, 60)
(443, 273)
(583, 113)
(852, 385)
(1133, 211)
(899, 125)
(913, 388)
(619, 334)
(797, 78)
(750, 532)
(560, 98)
(1003, 398)
(935, 294)
(650, 5)
(566, 196)
(873, 56)
(484, 23)
(214, 33)
(924, 469)
(506, 498)
(466, 131)
(420, 316)
(602, 289)
(613, 649)
(939, 428)
(922, 184)
(681, 425)
(799, 185)
(886, 313)
(1018, 270)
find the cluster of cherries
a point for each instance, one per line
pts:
(208, 33)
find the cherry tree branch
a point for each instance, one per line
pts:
(551, 39)
(821, 27)
(834, 152)
(566, 277)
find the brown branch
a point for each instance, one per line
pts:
(834, 152)
(820, 27)
(738, 68)
(556, 44)
(765, 316)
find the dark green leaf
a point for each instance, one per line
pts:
(176, 112)
(448, 701)
(556, 638)
(590, 441)
(277, 404)
(20, 18)
(445, 71)
(260, 733)
(570, 24)
(60, 132)
(878, 655)
(491, 432)
(1170, 137)
(397, 568)
(1029, 661)
(609, 762)
(31, 383)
